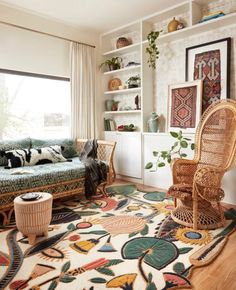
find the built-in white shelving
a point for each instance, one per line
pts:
(124, 91)
(123, 70)
(123, 112)
(189, 12)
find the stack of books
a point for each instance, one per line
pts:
(212, 15)
(109, 125)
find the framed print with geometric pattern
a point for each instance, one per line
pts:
(210, 62)
(184, 106)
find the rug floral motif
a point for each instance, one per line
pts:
(126, 240)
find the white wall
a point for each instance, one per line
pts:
(33, 52)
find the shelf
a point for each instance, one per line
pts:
(125, 69)
(197, 28)
(123, 132)
(123, 112)
(125, 91)
(126, 49)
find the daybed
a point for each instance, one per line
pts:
(61, 179)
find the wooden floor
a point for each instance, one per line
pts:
(221, 273)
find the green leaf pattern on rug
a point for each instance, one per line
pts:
(98, 280)
(157, 253)
(67, 279)
(65, 267)
(105, 271)
(178, 267)
(185, 250)
(53, 285)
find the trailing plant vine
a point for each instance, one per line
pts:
(152, 48)
(176, 151)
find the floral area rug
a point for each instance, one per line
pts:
(125, 241)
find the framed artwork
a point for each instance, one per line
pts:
(184, 106)
(210, 62)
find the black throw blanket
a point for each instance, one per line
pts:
(95, 170)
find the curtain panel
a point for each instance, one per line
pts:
(82, 77)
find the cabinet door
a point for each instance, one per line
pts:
(127, 157)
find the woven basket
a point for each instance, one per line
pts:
(122, 42)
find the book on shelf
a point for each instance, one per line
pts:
(109, 125)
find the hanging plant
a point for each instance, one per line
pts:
(152, 48)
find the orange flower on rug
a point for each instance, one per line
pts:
(125, 241)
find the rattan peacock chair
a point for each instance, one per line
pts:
(197, 183)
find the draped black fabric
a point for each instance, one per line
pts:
(95, 170)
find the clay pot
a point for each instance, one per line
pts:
(173, 24)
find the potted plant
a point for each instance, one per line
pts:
(152, 48)
(134, 82)
(176, 151)
(113, 64)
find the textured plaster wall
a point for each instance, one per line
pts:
(171, 65)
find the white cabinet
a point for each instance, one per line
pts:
(161, 178)
(127, 157)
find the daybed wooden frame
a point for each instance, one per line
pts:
(66, 188)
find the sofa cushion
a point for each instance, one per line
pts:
(11, 145)
(69, 150)
(34, 156)
(40, 175)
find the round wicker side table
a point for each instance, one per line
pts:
(33, 217)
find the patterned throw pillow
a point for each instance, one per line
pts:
(28, 157)
(11, 145)
(69, 150)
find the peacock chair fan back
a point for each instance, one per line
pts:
(197, 183)
(216, 136)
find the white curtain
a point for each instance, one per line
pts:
(82, 78)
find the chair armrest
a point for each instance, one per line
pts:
(183, 170)
(208, 177)
(207, 183)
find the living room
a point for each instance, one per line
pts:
(146, 83)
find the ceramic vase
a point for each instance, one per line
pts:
(109, 105)
(153, 123)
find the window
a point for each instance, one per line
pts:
(34, 106)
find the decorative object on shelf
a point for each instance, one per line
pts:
(114, 84)
(122, 87)
(115, 106)
(152, 48)
(109, 125)
(180, 26)
(176, 151)
(127, 128)
(212, 15)
(132, 63)
(153, 123)
(109, 104)
(173, 24)
(136, 101)
(113, 64)
(134, 82)
(122, 42)
(184, 109)
(210, 62)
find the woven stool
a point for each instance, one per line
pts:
(33, 217)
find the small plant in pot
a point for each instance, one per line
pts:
(134, 82)
(113, 64)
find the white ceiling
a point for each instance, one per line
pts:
(99, 15)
